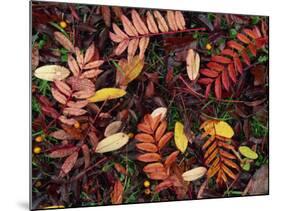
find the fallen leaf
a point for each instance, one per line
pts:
(117, 193)
(248, 152)
(112, 128)
(159, 111)
(51, 72)
(107, 94)
(219, 128)
(192, 64)
(112, 143)
(64, 41)
(68, 164)
(181, 140)
(63, 152)
(194, 174)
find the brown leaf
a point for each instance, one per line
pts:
(148, 147)
(77, 104)
(63, 87)
(35, 56)
(89, 53)
(68, 164)
(117, 193)
(74, 111)
(91, 73)
(83, 94)
(149, 91)
(112, 128)
(259, 73)
(151, 23)
(94, 64)
(58, 96)
(171, 158)
(180, 20)
(105, 11)
(149, 157)
(79, 84)
(63, 152)
(64, 41)
(120, 168)
(259, 182)
(162, 25)
(171, 20)
(73, 66)
(138, 23)
(67, 121)
(161, 175)
(128, 26)
(60, 135)
(79, 57)
(86, 153)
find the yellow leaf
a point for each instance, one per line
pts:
(51, 72)
(107, 94)
(216, 127)
(129, 70)
(194, 174)
(248, 152)
(180, 137)
(112, 143)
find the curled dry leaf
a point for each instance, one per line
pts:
(68, 164)
(159, 111)
(180, 137)
(107, 94)
(192, 64)
(64, 41)
(112, 143)
(248, 152)
(194, 174)
(117, 193)
(112, 128)
(51, 72)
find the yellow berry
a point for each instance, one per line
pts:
(131, 135)
(146, 183)
(37, 150)
(147, 191)
(38, 184)
(39, 139)
(63, 24)
(77, 125)
(208, 46)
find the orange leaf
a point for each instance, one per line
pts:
(143, 137)
(148, 147)
(117, 193)
(149, 157)
(153, 167)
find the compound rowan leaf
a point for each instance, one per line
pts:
(220, 128)
(64, 41)
(117, 193)
(180, 137)
(112, 143)
(68, 164)
(63, 152)
(51, 72)
(107, 94)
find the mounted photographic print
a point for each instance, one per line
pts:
(142, 105)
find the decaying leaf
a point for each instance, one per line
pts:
(64, 41)
(194, 174)
(159, 111)
(128, 70)
(52, 72)
(180, 137)
(68, 164)
(112, 128)
(248, 152)
(192, 64)
(63, 152)
(107, 94)
(112, 143)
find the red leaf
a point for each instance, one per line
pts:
(229, 52)
(60, 135)
(86, 153)
(252, 49)
(246, 57)
(208, 89)
(215, 66)
(221, 59)
(117, 193)
(68, 164)
(232, 72)
(209, 73)
(260, 42)
(238, 65)
(257, 32)
(235, 45)
(243, 38)
(218, 88)
(225, 80)
(205, 81)
(250, 33)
